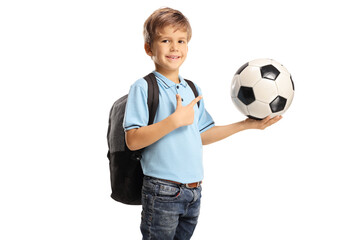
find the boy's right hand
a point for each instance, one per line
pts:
(184, 115)
(139, 138)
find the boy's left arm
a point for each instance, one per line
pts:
(218, 133)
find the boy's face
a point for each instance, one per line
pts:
(169, 49)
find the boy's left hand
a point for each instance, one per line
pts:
(261, 124)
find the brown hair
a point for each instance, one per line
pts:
(162, 18)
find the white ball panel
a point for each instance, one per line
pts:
(284, 85)
(240, 106)
(265, 90)
(260, 62)
(259, 109)
(276, 114)
(250, 76)
(235, 86)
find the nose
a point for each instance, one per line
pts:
(174, 46)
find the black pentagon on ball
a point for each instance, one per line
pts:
(278, 104)
(246, 95)
(241, 68)
(269, 72)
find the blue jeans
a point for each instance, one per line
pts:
(170, 211)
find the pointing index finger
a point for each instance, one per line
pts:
(195, 101)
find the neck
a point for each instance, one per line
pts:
(171, 75)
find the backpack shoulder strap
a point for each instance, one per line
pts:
(153, 96)
(193, 88)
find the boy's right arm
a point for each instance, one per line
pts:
(144, 136)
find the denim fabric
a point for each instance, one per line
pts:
(169, 211)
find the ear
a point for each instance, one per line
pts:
(148, 49)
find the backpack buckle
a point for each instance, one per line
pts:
(136, 156)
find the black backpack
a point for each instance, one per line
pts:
(126, 174)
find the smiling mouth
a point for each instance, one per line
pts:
(173, 57)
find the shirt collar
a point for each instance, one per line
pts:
(167, 83)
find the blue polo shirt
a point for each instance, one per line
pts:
(178, 155)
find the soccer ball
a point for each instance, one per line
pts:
(261, 88)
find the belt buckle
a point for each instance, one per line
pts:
(187, 185)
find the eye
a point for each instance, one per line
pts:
(182, 41)
(165, 41)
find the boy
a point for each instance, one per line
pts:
(172, 160)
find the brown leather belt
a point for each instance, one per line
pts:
(187, 185)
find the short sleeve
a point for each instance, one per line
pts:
(136, 113)
(205, 120)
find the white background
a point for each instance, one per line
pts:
(63, 64)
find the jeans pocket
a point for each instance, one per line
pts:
(168, 193)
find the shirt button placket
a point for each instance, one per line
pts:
(177, 87)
